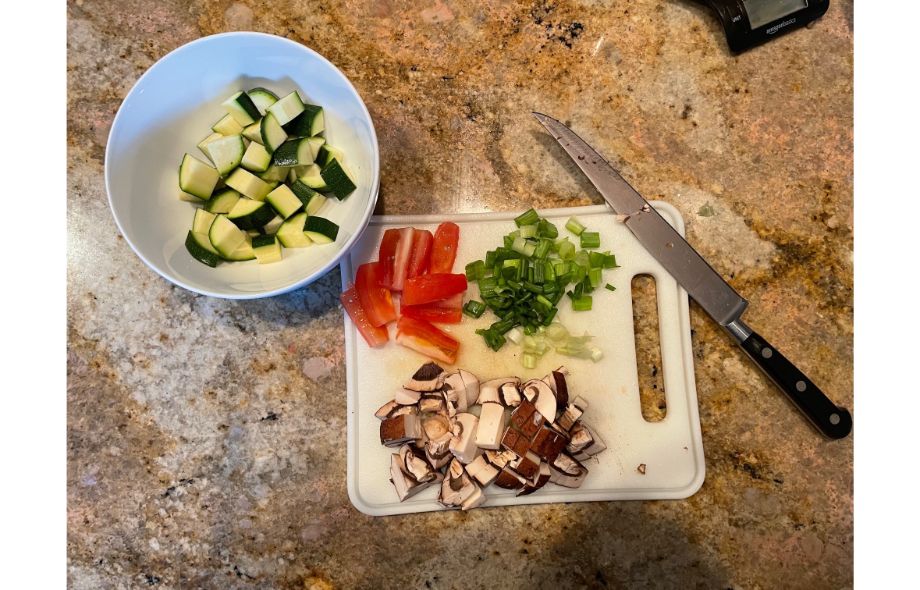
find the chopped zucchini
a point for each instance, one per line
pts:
(225, 236)
(275, 174)
(295, 152)
(226, 153)
(327, 153)
(272, 226)
(223, 201)
(285, 109)
(320, 230)
(243, 251)
(201, 249)
(312, 177)
(267, 249)
(248, 184)
(197, 178)
(273, 134)
(249, 214)
(308, 123)
(256, 158)
(262, 98)
(284, 201)
(310, 199)
(337, 178)
(203, 144)
(240, 107)
(202, 221)
(227, 126)
(254, 132)
(291, 233)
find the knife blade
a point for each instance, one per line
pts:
(706, 286)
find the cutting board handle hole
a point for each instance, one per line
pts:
(648, 348)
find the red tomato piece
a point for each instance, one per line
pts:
(452, 302)
(375, 298)
(421, 253)
(401, 264)
(387, 256)
(432, 287)
(373, 335)
(444, 249)
(422, 337)
(431, 312)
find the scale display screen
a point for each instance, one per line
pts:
(761, 12)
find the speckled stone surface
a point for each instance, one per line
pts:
(194, 463)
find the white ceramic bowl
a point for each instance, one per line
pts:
(172, 107)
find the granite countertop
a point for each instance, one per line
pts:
(195, 464)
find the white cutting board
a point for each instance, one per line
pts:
(672, 449)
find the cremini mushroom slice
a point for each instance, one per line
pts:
(482, 471)
(492, 422)
(567, 472)
(515, 441)
(457, 487)
(470, 385)
(542, 397)
(404, 411)
(527, 466)
(581, 439)
(526, 419)
(416, 465)
(475, 500)
(428, 377)
(405, 485)
(509, 480)
(401, 429)
(548, 443)
(500, 458)
(455, 392)
(407, 397)
(432, 403)
(597, 445)
(556, 382)
(572, 413)
(463, 445)
(386, 409)
(541, 479)
(489, 390)
(510, 395)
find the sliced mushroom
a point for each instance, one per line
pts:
(407, 397)
(510, 395)
(515, 441)
(386, 409)
(527, 419)
(492, 422)
(475, 500)
(542, 397)
(509, 480)
(500, 458)
(404, 411)
(527, 466)
(457, 487)
(406, 486)
(548, 443)
(470, 385)
(482, 471)
(455, 392)
(541, 480)
(581, 439)
(567, 472)
(437, 431)
(556, 382)
(572, 413)
(432, 404)
(416, 465)
(428, 377)
(401, 429)
(489, 391)
(463, 445)
(597, 445)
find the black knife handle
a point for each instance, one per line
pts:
(833, 421)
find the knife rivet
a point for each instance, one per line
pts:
(834, 419)
(800, 385)
(766, 353)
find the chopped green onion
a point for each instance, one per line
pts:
(547, 229)
(594, 276)
(529, 231)
(493, 340)
(474, 308)
(590, 239)
(542, 249)
(475, 270)
(574, 226)
(566, 249)
(528, 217)
(582, 303)
(610, 261)
(596, 259)
(529, 360)
(490, 258)
(610, 287)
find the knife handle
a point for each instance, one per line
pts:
(833, 421)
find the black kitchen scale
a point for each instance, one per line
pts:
(749, 23)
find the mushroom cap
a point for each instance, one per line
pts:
(542, 396)
(384, 411)
(407, 397)
(428, 377)
(455, 391)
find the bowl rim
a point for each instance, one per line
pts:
(368, 211)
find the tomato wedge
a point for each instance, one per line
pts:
(432, 287)
(375, 299)
(422, 337)
(421, 253)
(373, 335)
(431, 312)
(387, 256)
(401, 263)
(444, 249)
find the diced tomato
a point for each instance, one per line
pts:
(422, 337)
(373, 335)
(401, 263)
(421, 253)
(431, 312)
(375, 298)
(387, 256)
(444, 249)
(432, 287)
(452, 302)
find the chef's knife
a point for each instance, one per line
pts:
(700, 281)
